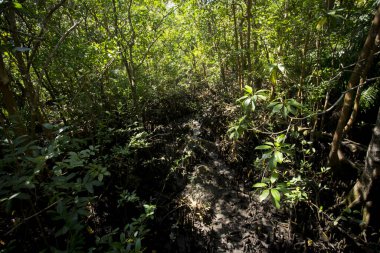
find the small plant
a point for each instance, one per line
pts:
(284, 106)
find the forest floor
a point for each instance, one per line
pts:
(222, 212)
(215, 209)
(208, 204)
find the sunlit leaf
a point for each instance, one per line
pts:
(321, 23)
(264, 195)
(17, 5)
(259, 185)
(275, 194)
(248, 89)
(263, 147)
(278, 156)
(273, 177)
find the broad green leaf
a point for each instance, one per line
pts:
(262, 93)
(267, 155)
(277, 108)
(263, 147)
(261, 97)
(291, 109)
(247, 102)
(264, 195)
(281, 138)
(321, 23)
(278, 156)
(138, 245)
(276, 203)
(272, 163)
(275, 194)
(273, 177)
(285, 111)
(242, 98)
(17, 5)
(294, 103)
(259, 185)
(248, 89)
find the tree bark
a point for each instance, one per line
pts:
(358, 72)
(367, 188)
(248, 47)
(9, 99)
(236, 44)
(22, 64)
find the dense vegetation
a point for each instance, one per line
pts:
(114, 112)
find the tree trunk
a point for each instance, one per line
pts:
(31, 95)
(358, 72)
(248, 47)
(236, 44)
(367, 188)
(9, 100)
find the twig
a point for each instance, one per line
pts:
(31, 217)
(64, 36)
(337, 101)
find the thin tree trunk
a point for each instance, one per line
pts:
(248, 47)
(32, 98)
(360, 66)
(236, 44)
(9, 100)
(355, 110)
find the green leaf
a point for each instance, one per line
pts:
(281, 138)
(281, 68)
(272, 163)
(242, 98)
(277, 108)
(285, 111)
(278, 156)
(247, 102)
(90, 187)
(259, 185)
(275, 194)
(272, 104)
(17, 5)
(248, 89)
(62, 231)
(138, 245)
(321, 23)
(263, 147)
(291, 109)
(276, 204)
(264, 195)
(294, 103)
(273, 177)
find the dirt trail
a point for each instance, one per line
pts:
(224, 216)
